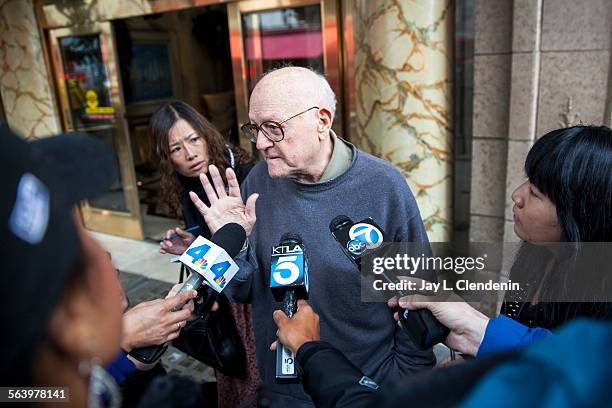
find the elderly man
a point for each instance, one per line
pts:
(310, 176)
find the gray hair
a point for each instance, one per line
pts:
(325, 94)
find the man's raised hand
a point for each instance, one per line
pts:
(226, 206)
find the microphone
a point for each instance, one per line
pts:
(288, 282)
(363, 238)
(224, 245)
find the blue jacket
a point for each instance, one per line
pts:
(503, 333)
(571, 369)
(120, 368)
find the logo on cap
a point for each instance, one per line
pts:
(30, 215)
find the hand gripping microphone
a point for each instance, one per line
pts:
(288, 282)
(228, 240)
(359, 239)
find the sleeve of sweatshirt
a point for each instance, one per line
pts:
(503, 333)
(408, 357)
(239, 288)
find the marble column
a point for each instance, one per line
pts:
(24, 83)
(403, 87)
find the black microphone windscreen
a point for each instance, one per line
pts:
(230, 237)
(290, 237)
(338, 221)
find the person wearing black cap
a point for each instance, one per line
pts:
(61, 297)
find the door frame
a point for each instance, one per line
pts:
(127, 224)
(332, 52)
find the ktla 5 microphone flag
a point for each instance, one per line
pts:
(210, 261)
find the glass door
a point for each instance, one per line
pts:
(85, 65)
(265, 34)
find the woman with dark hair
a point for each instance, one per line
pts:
(185, 145)
(567, 197)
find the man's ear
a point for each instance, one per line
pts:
(71, 329)
(325, 121)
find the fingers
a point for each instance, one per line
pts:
(232, 182)
(174, 290)
(183, 234)
(179, 299)
(208, 189)
(217, 180)
(189, 306)
(273, 345)
(180, 317)
(215, 306)
(202, 208)
(303, 307)
(393, 303)
(167, 243)
(169, 234)
(172, 336)
(280, 318)
(413, 302)
(164, 246)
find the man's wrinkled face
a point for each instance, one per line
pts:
(293, 156)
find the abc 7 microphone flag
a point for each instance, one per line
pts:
(364, 236)
(211, 261)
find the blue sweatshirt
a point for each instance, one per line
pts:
(365, 332)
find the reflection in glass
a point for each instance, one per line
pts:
(89, 97)
(149, 73)
(115, 198)
(284, 36)
(87, 82)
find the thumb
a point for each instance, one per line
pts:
(250, 206)
(412, 304)
(181, 233)
(280, 318)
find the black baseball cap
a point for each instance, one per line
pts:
(41, 182)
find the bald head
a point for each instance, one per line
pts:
(301, 147)
(294, 88)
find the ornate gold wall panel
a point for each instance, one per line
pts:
(25, 86)
(403, 87)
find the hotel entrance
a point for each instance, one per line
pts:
(112, 75)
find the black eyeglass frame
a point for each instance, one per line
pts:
(251, 130)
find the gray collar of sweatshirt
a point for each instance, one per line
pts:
(341, 159)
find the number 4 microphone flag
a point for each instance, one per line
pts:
(211, 261)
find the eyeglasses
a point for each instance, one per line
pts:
(271, 129)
